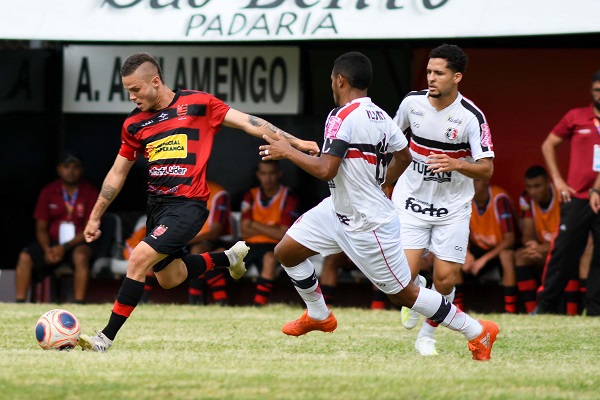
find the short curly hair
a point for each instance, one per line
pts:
(456, 57)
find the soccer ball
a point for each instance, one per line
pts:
(57, 330)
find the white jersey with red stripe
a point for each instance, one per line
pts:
(362, 134)
(459, 130)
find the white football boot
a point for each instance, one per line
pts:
(236, 255)
(99, 343)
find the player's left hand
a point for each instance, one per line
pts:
(276, 149)
(441, 163)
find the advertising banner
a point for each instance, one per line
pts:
(269, 20)
(258, 80)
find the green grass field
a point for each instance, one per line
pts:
(185, 352)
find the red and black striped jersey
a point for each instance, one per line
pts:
(176, 141)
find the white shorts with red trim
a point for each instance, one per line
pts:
(447, 239)
(377, 253)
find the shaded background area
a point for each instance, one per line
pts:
(523, 86)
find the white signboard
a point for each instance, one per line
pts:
(268, 20)
(258, 80)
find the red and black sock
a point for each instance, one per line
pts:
(196, 291)
(572, 297)
(527, 285)
(378, 299)
(128, 297)
(264, 287)
(582, 294)
(328, 294)
(459, 297)
(215, 280)
(510, 299)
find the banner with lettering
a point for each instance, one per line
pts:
(259, 80)
(268, 20)
(22, 83)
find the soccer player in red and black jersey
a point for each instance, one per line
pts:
(174, 131)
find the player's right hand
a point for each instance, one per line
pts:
(92, 230)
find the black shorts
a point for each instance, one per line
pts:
(257, 252)
(171, 223)
(41, 269)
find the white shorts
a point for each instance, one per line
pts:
(447, 240)
(377, 253)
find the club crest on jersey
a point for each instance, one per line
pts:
(451, 133)
(333, 126)
(182, 110)
(159, 230)
(486, 136)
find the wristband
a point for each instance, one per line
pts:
(593, 190)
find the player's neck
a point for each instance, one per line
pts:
(165, 97)
(351, 95)
(439, 103)
(70, 187)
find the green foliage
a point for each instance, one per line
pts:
(184, 352)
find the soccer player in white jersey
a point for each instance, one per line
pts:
(451, 145)
(358, 218)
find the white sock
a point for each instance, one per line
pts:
(427, 329)
(429, 302)
(311, 294)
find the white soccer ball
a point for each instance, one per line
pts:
(57, 330)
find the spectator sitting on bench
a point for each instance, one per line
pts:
(492, 238)
(62, 210)
(267, 212)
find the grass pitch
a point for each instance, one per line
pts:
(185, 352)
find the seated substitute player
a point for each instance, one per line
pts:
(492, 238)
(215, 235)
(358, 218)
(268, 210)
(540, 215)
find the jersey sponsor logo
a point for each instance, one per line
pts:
(456, 121)
(375, 115)
(154, 190)
(333, 126)
(159, 230)
(488, 241)
(182, 110)
(584, 131)
(486, 136)
(343, 219)
(174, 146)
(422, 207)
(418, 113)
(171, 170)
(428, 175)
(451, 133)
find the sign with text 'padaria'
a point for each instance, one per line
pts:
(258, 80)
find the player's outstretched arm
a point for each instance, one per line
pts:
(110, 188)
(324, 167)
(258, 127)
